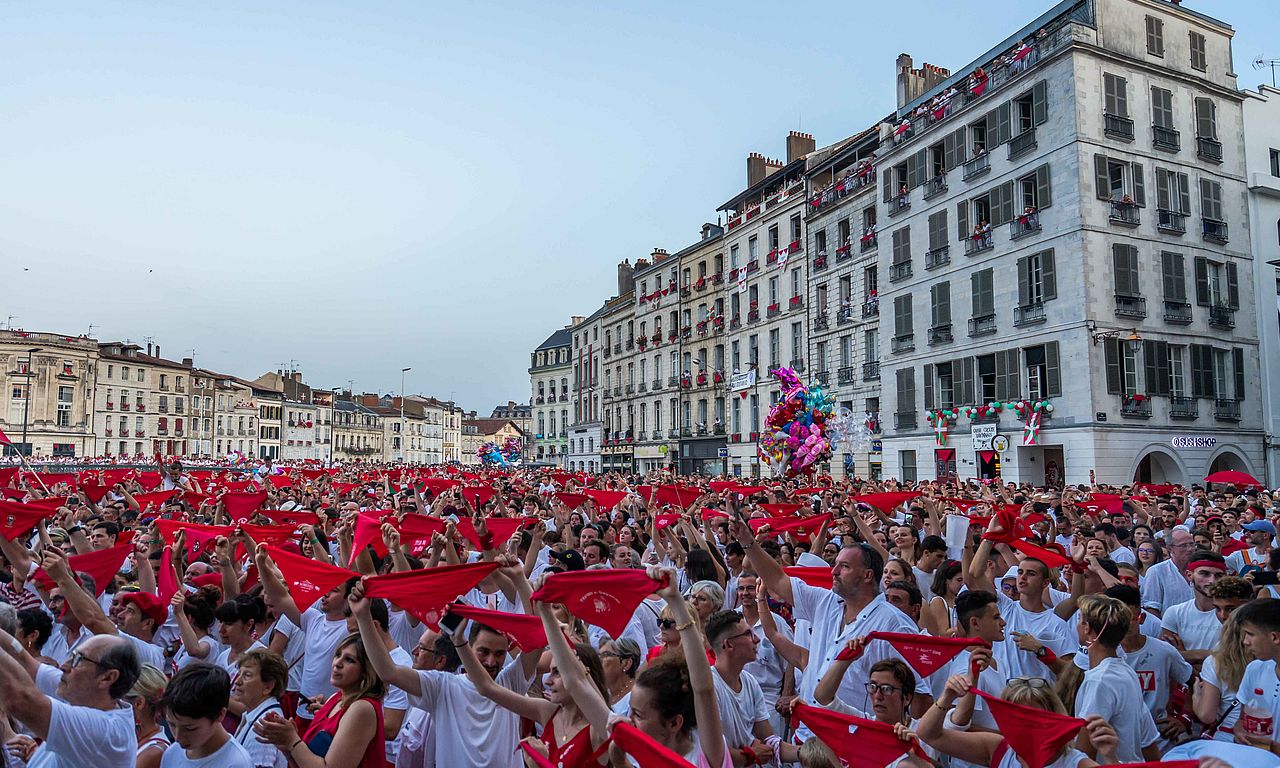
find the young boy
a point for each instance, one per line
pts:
(194, 703)
(1259, 690)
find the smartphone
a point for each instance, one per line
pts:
(450, 622)
(1266, 579)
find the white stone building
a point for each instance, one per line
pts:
(549, 376)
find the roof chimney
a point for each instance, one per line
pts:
(755, 169)
(157, 350)
(913, 83)
(658, 254)
(799, 145)
(188, 363)
(148, 348)
(626, 277)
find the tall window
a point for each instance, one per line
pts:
(65, 396)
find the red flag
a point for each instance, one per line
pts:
(427, 593)
(644, 749)
(101, 564)
(886, 502)
(16, 519)
(1046, 556)
(241, 506)
(4, 439)
(800, 527)
(308, 580)
(166, 584)
(1035, 735)
(926, 654)
(522, 629)
(813, 575)
(856, 741)
(607, 599)
(606, 499)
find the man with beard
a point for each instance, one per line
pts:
(1193, 626)
(1259, 534)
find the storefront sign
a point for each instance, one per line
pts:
(1192, 441)
(877, 446)
(742, 380)
(982, 435)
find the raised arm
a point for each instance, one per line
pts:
(574, 676)
(710, 730)
(275, 588)
(403, 678)
(81, 603)
(770, 572)
(22, 699)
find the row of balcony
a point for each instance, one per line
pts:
(541, 400)
(1162, 138)
(1139, 406)
(1128, 214)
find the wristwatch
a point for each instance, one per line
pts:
(1042, 651)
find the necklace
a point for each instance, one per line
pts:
(625, 690)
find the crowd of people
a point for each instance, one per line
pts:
(378, 615)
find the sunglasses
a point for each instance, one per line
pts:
(667, 623)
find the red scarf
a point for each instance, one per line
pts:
(801, 527)
(166, 583)
(924, 653)
(1046, 556)
(426, 593)
(308, 580)
(872, 744)
(241, 506)
(294, 518)
(781, 510)
(525, 631)
(1035, 735)
(605, 499)
(607, 599)
(644, 749)
(16, 519)
(572, 500)
(101, 564)
(885, 502)
(813, 575)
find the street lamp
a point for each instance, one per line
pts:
(403, 437)
(26, 402)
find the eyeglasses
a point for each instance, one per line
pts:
(1030, 682)
(740, 634)
(884, 689)
(77, 657)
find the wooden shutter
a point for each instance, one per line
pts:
(1201, 371)
(1004, 122)
(902, 315)
(1202, 281)
(1048, 275)
(902, 245)
(962, 219)
(1024, 281)
(964, 379)
(1233, 286)
(887, 176)
(983, 300)
(1237, 364)
(928, 387)
(906, 390)
(1115, 95)
(1206, 119)
(1101, 179)
(1139, 184)
(949, 151)
(1162, 189)
(1052, 371)
(940, 303)
(961, 136)
(1115, 378)
(1172, 278)
(938, 229)
(1044, 192)
(1156, 362)
(1039, 103)
(1184, 195)
(1124, 260)
(1005, 214)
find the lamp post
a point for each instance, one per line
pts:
(403, 436)
(26, 402)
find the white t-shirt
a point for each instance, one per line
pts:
(1044, 626)
(404, 630)
(295, 644)
(322, 637)
(1164, 585)
(1260, 675)
(1159, 667)
(417, 742)
(224, 658)
(181, 658)
(1197, 629)
(83, 737)
(397, 699)
(148, 652)
(1111, 689)
(924, 580)
(1149, 624)
(1122, 554)
(1237, 560)
(261, 755)
(229, 755)
(1228, 705)
(741, 710)
(769, 666)
(59, 646)
(468, 725)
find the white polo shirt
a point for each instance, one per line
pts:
(469, 726)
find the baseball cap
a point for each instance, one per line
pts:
(1260, 525)
(571, 559)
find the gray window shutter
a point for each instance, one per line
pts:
(1111, 351)
(1139, 185)
(1233, 286)
(962, 149)
(1125, 261)
(1008, 378)
(906, 390)
(967, 394)
(1024, 282)
(902, 315)
(914, 166)
(1048, 275)
(993, 131)
(940, 298)
(1101, 180)
(1237, 362)
(1053, 374)
(1174, 282)
(928, 387)
(938, 229)
(981, 285)
(1002, 375)
(1044, 192)
(1039, 103)
(1005, 121)
(962, 218)
(1006, 204)
(887, 176)
(993, 204)
(1206, 120)
(1184, 194)
(1156, 360)
(949, 151)
(1202, 281)
(1162, 189)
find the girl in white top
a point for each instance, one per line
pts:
(982, 748)
(145, 697)
(1214, 699)
(238, 625)
(194, 615)
(940, 614)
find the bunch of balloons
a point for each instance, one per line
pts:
(795, 434)
(511, 449)
(491, 454)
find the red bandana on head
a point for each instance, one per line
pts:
(607, 598)
(522, 629)
(241, 506)
(856, 741)
(644, 749)
(16, 519)
(924, 653)
(308, 580)
(427, 593)
(1035, 735)
(101, 564)
(813, 575)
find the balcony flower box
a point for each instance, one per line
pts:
(110, 406)
(755, 436)
(796, 301)
(771, 257)
(124, 406)
(717, 278)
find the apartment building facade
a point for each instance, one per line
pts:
(550, 371)
(583, 450)
(50, 384)
(142, 402)
(1069, 259)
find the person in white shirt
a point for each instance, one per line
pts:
(744, 714)
(769, 669)
(978, 613)
(1260, 687)
(260, 682)
(1165, 583)
(75, 711)
(194, 703)
(1192, 627)
(1259, 535)
(1110, 688)
(1159, 665)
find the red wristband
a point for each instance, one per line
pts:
(749, 756)
(1049, 656)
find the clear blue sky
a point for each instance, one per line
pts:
(363, 187)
